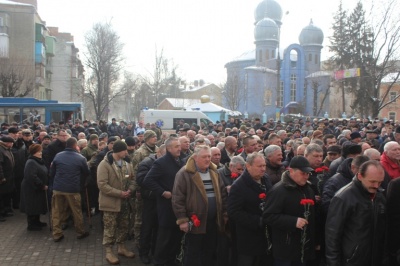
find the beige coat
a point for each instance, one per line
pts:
(189, 196)
(111, 182)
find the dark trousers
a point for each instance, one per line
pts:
(281, 262)
(148, 231)
(226, 247)
(199, 248)
(5, 203)
(33, 220)
(168, 245)
(256, 260)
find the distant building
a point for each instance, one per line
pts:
(390, 111)
(263, 82)
(200, 88)
(176, 103)
(65, 71)
(23, 37)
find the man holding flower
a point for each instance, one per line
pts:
(290, 213)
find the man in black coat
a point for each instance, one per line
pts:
(229, 150)
(148, 230)
(356, 223)
(6, 176)
(345, 173)
(393, 211)
(285, 215)
(160, 179)
(245, 204)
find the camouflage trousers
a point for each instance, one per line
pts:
(138, 220)
(116, 226)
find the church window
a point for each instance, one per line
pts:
(316, 59)
(268, 97)
(260, 55)
(293, 88)
(267, 54)
(280, 95)
(310, 57)
(273, 54)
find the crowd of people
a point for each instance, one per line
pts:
(234, 193)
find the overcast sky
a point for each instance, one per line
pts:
(200, 36)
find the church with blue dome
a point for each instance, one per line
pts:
(263, 81)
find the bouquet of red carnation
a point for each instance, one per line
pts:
(234, 175)
(307, 203)
(194, 221)
(321, 169)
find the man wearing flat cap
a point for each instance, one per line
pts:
(148, 147)
(6, 176)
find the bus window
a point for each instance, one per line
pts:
(32, 113)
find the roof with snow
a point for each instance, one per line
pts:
(246, 56)
(181, 102)
(7, 2)
(211, 107)
(391, 77)
(261, 69)
(319, 74)
(192, 88)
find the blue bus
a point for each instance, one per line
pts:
(22, 110)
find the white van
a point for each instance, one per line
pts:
(169, 119)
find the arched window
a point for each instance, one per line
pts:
(260, 55)
(310, 57)
(316, 59)
(267, 54)
(293, 87)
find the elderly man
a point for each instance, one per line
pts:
(275, 169)
(198, 190)
(390, 159)
(356, 223)
(245, 211)
(314, 155)
(229, 150)
(67, 169)
(216, 157)
(160, 179)
(185, 147)
(285, 215)
(230, 172)
(115, 181)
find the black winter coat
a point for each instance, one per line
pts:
(6, 169)
(244, 209)
(51, 151)
(343, 177)
(33, 197)
(159, 179)
(282, 210)
(20, 156)
(143, 168)
(355, 227)
(225, 174)
(393, 211)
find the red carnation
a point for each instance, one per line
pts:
(262, 196)
(195, 220)
(234, 175)
(321, 169)
(307, 201)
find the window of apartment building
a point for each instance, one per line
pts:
(393, 95)
(293, 87)
(392, 116)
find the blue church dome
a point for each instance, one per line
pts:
(311, 35)
(270, 9)
(266, 30)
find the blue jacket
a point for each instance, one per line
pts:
(67, 169)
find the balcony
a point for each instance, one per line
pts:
(50, 46)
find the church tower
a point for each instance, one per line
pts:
(311, 38)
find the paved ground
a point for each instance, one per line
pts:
(21, 247)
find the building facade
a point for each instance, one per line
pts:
(264, 81)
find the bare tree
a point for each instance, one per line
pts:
(104, 60)
(232, 93)
(16, 78)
